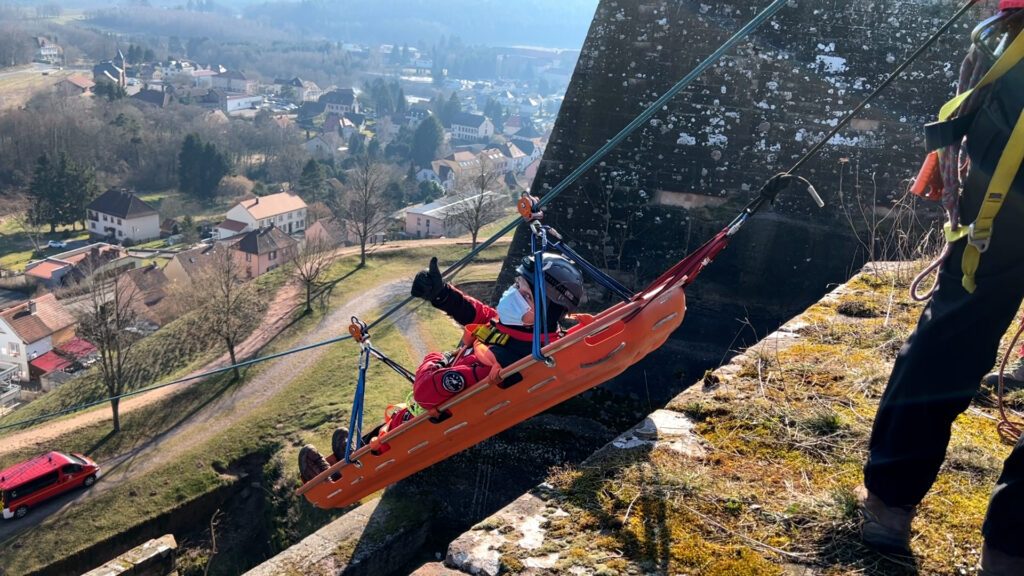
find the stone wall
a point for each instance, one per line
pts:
(684, 175)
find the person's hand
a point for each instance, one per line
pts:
(428, 283)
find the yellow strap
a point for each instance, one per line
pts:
(1013, 54)
(981, 231)
(954, 235)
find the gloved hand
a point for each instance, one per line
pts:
(428, 284)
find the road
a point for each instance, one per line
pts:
(224, 411)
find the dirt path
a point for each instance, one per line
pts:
(274, 320)
(237, 404)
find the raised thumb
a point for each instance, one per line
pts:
(433, 267)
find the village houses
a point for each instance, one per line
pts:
(434, 219)
(234, 81)
(285, 210)
(73, 266)
(184, 267)
(340, 101)
(471, 127)
(260, 251)
(122, 216)
(29, 330)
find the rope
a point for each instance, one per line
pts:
(540, 298)
(885, 83)
(1009, 430)
(80, 407)
(603, 151)
(355, 427)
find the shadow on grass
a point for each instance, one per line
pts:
(841, 548)
(168, 422)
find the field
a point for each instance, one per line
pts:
(16, 87)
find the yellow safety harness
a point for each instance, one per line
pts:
(979, 233)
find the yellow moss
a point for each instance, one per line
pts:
(511, 564)
(788, 438)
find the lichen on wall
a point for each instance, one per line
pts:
(686, 173)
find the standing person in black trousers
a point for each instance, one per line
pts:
(940, 368)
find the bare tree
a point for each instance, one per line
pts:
(310, 263)
(362, 204)
(31, 228)
(111, 323)
(229, 306)
(477, 199)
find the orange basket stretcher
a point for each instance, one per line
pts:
(585, 357)
(588, 355)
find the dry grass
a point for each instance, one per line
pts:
(787, 437)
(16, 89)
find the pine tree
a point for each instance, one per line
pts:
(426, 140)
(43, 210)
(311, 182)
(201, 168)
(451, 109)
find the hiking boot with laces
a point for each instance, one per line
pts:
(311, 463)
(1013, 376)
(997, 563)
(885, 528)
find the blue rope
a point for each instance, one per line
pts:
(355, 427)
(540, 297)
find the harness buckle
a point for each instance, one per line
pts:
(980, 243)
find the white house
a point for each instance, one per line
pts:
(234, 81)
(31, 329)
(121, 215)
(515, 159)
(326, 146)
(203, 78)
(234, 103)
(340, 101)
(285, 210)
(48, 51)
(304, 90)
(432, 220)
(465, 126)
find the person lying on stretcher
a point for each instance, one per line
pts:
(495, 337)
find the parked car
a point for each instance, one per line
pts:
(56, 244)
(30, 483)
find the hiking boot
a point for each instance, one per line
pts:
(338, 441)
(311, 463)
(996, 563)
(1013, 376)
(885, 528)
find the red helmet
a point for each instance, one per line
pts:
(1010, 4)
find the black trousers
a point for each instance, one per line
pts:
(939, 370)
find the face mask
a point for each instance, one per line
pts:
(512, 307)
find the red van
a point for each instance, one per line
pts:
(30, 483)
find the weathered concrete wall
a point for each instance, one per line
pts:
(684, 175)
(154, 558)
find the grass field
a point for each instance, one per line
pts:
(16, 248)
(17, 88)
(308, 410)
